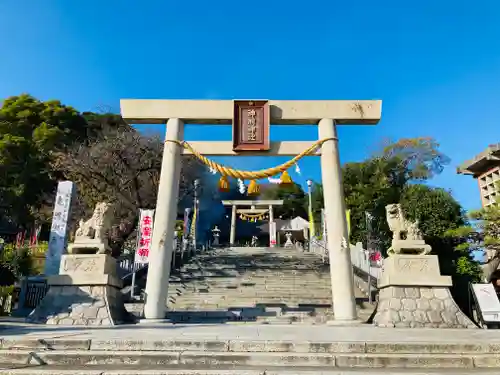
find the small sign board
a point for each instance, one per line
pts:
(144, 236)
(251, 125)
(487, 302)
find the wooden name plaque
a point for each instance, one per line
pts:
(251, 125)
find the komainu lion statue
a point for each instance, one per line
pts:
(93, 233)
(405, 233)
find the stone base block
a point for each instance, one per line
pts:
(87, 264)
(414, 294)
(96, 305)
(412, 270)
(418, 307)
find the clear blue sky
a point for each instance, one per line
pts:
(435, 64)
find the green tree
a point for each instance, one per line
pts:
(317, 202)
(32, 135)
(293, 196)
(482, 234)
(438, 215)
(14, 263)
(30, 131)
(381, 180)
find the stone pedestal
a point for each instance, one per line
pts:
(414, 294)
(87, 246)
(418, 247)
(86, 292)
(216, 241)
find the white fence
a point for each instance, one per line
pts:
(359, 257)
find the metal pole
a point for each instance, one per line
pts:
(309, 193)
(196, 184)
(369, 248)
(174, 253)
(137, 240)
(132, 286)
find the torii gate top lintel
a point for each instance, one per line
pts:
(277, 112)
(282, 112)
(255, 203)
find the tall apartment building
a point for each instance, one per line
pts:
(485, 167)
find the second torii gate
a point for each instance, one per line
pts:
(254, 205)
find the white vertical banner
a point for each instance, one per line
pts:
(58, 240)
(323, 224)
(272, 233)
(144, 235)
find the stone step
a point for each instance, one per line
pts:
(272, 310)
(255, 304)
(204, 293)
(222, 288)
(261, 277)
(24, 345)
(243, 294)
(252, 299)
(276, 280)
(278, 265)
(249, 285)
(256, 257)
(229, 370)
(214, 359)
(229, 293)
(199, 305)
(248, 303)
(256, 281)
(271, 286)
(268, 284)
(202, 313)
(252, 302)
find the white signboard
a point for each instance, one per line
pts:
(59, 230)
(144, 236)
(272, 233)
(323, 224)
(488, 302)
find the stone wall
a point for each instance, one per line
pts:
(81, 305)
(415, 307)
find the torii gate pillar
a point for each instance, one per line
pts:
(341, 274)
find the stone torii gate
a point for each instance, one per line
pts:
(255, 207)
(324, 113)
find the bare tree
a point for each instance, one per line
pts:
(122, 168)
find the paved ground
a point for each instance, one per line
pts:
(248, 331)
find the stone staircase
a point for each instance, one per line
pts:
(265, 285)
(247, 350)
